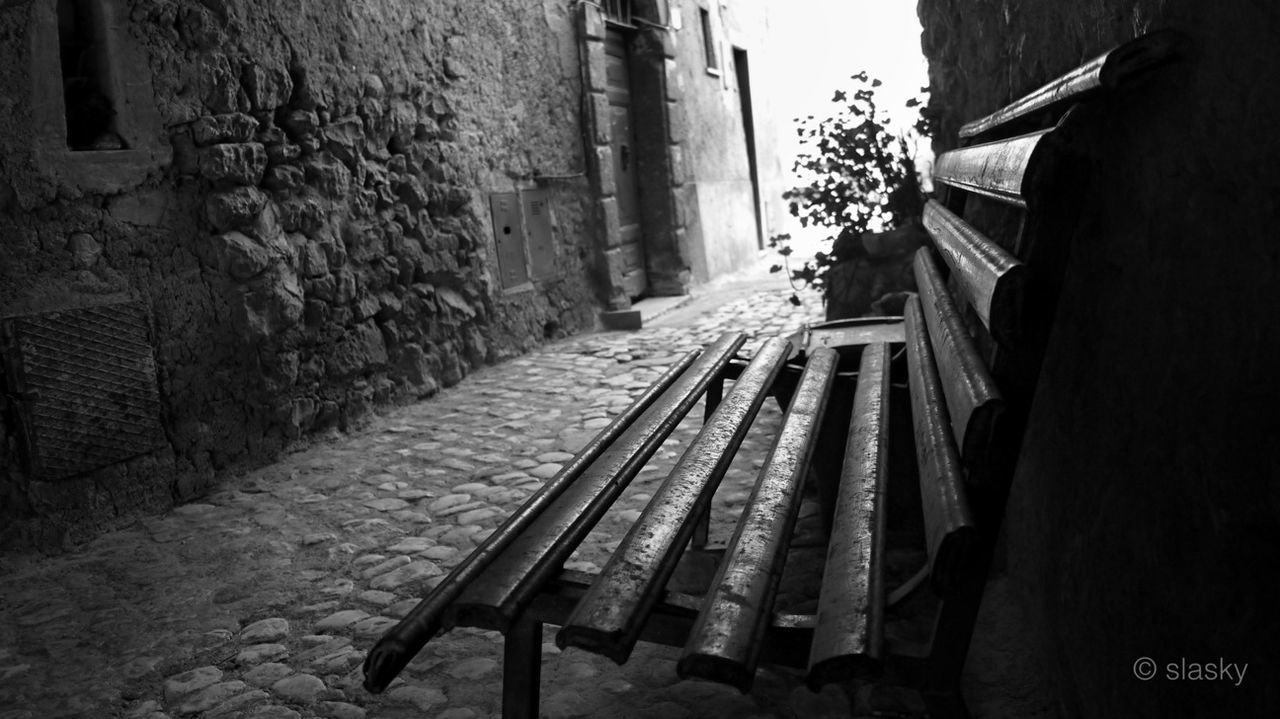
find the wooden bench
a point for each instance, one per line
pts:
(958, 369)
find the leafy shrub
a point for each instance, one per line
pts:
(863, 174)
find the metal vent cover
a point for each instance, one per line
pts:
(83, 382)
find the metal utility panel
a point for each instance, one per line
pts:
(508, 234)
(83, 383)
(537, 219)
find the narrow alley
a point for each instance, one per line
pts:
(261, 599)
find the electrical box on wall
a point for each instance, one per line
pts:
(508, 234)
(537, 220)
(522, 229)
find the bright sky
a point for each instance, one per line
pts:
(820, 43)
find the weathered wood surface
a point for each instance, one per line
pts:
(498, 595)
(725, 643)
(1106, 71)
(991, 278)
(861, 331)
(611, 617)
(398, 646)
(849, 634)
(993, 169)
(949, 525)
(973, 400)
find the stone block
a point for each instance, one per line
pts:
(328, 175)
(266, 87)
(593, 26)
(602, 168)
(234, 127)
(669, 43)
(675, 154)
(283, 178)
(674, 81)
(84, 249)
(271, 308)
(235, 208)
(233, 163)
(267, 133)
(266, 227)
(238, 255)
(342, 138)
(680, 206)
(301, 123)
(283, 153)
(597, 79)
(616, 266)
(346, 286)
(411, 365)
(312, 260)
(677, 123)
(601, 119)
(411, 192)
(621, 319)
(302, 214)
(610, 225)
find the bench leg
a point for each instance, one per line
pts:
(522, 670)
(953, 633)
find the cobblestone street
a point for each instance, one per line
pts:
(261, 599)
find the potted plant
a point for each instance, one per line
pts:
(864, 190)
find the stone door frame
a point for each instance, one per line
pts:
(660, 129)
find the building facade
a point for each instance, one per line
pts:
(226, 226)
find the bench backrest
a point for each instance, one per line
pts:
(987, 289)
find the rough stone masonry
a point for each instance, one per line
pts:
(298, 204)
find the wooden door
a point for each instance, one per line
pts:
(618, 74)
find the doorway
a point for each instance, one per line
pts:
(743, 73)
(623, 145)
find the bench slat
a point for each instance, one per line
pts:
(724, 645)
(398, 646)
(991, 278)
(497, 596)
(1103, 72)
(994, 169)
(849, 634)
(973, 400)
(949, 526)
(610, 618)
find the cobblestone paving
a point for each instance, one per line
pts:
(262, 599)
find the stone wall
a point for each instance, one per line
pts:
(1143, 517)
(301, 203)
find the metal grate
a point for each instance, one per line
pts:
(618, 11)
(85, 385)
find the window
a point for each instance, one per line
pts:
(709, 43)
(618, 11)
(86, 82)
(94, 120)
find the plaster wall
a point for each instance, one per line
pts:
(722, 224)
(1143, 520)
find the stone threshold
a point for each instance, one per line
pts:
(641, 312)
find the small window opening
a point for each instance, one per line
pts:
(709, 42)
(86, 80)
(618, 11)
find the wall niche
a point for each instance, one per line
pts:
(96, 126)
